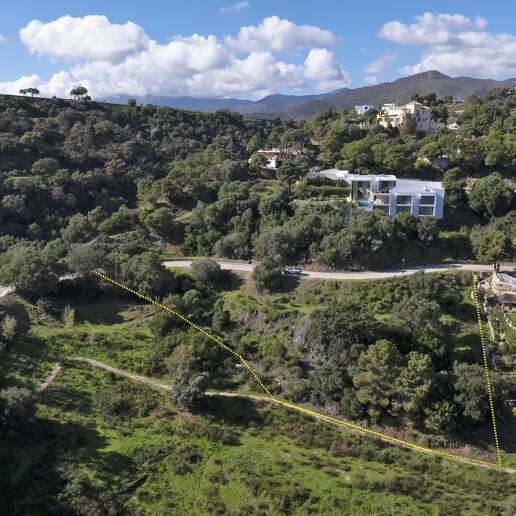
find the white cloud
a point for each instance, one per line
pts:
(275, 34)
(13, 87)
(3, 39)
(456, 45)
(88, 38)
(195, 65)
(371, 80)
(381, 63)
(235, 8)
(322, 65)
(429, 29)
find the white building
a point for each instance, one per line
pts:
(362, 110)
(276, 155)
(390, 194)
(395, 116)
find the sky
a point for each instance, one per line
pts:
(247, 48)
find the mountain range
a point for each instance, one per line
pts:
(269, 103)
(300, 106)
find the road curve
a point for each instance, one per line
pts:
(390, 273)
(265, 399)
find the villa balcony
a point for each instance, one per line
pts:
(382, 201)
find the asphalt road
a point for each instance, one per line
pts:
(247, 267)
(390, 273)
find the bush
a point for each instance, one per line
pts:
(16, 406)
(267, 275)
(206, 273)
(189, 388)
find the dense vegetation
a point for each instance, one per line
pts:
(87, 186)
(132, 179)
(94, 443)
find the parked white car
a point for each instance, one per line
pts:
(292, 270)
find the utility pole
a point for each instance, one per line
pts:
(403, 266)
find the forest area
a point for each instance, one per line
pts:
(88, 186)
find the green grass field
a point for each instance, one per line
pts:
(235, 458)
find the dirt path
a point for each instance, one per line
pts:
(136, 377)
(50, 377)
(97, 363)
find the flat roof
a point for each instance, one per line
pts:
(401, 184)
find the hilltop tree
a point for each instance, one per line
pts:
(428, 99)
(29, 91)
(80, 93)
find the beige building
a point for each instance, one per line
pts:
(394, 116)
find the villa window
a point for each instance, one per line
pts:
(404, 199)
(402, 209)
(426, 210)
(428, 200)
(385, 186)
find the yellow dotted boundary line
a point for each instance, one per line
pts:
(198, 328)
(488, 379)
(290, 405)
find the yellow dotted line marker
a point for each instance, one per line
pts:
(291, 405)
(488, 379)
(198, 328)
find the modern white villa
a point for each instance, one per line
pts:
(390, 194)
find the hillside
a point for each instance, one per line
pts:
(88, 185)
(97, 443)
(399, 91)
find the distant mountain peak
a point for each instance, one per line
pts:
(431, 74)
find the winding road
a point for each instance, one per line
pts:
(265, 399)
(390, 273)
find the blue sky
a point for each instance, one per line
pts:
(257, 46)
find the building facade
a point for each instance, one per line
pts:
(395, 116)
(276, 155)
(362, 110)
(390, 194)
